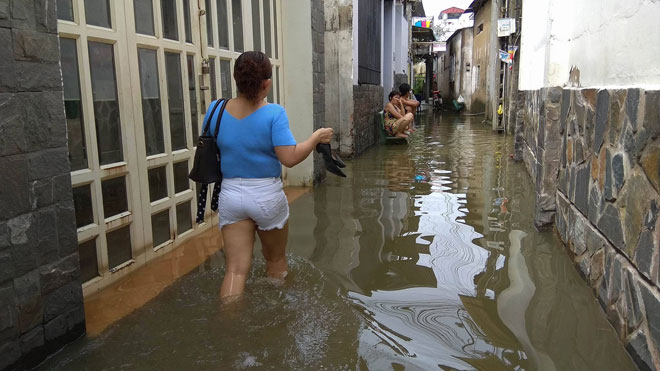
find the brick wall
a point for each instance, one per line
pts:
(41, 305)
(601, 149)
(318, 61)
(367, 101)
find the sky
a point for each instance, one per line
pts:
(434, 7)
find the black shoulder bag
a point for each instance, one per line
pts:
(206, 165)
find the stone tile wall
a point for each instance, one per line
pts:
(607, 197)
(318, 61)
(538, 145)
(367, 101)
(41, 304)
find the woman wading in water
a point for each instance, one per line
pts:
(254, 142)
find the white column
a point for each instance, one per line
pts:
(298, 81)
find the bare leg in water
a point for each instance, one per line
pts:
(273, 244)
(238, 244)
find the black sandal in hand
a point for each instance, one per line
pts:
(331, 160)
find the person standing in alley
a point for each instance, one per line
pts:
(255, 141)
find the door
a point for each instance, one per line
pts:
(135, 97)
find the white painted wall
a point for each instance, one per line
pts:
(401, 40)
(387, 58)
(355, 40)
(613, 43)
(298, 81)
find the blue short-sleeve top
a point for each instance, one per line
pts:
(247, 146)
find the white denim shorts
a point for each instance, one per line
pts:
(260, 199)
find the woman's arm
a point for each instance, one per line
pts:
(410, 102)
(390, 108)
(291, 156)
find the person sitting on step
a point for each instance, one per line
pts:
(397, 121)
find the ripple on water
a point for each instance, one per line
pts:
(301, 324)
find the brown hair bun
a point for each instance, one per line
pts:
(250, 70)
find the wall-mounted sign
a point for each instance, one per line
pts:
(506, 27)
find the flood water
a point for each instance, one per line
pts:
(424, 257)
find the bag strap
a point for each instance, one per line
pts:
(217, 125)
(206, 127)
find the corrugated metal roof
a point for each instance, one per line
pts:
(452, 10)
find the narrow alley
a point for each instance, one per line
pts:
(425, 256)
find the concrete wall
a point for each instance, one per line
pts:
(41, 304)
(350, 109)
(595, 156)
(615, 45)
(389, 39)
(481, 58)
(299, 91)
(339, 61)
(460, 46)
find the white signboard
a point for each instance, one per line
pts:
(506, 27)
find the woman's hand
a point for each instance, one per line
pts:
(324, 135)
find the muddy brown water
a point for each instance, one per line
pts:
(424, 257)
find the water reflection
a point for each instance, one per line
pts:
(424, 257)
(434, 245)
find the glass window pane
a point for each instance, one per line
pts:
(119, 246)
(73, 105)
(209, 22)
(267, 39)
(225, 78)
(64, 10)
(170, 30)
(144, 16)
(151, 114)
(214, 91)
(97, 13)
(223, 29)
(160, 227)
(114, 196)
(175, 100)
(275, 22)
(272, 88)
(106, 104)
(183, 217)
(181, 182)
(192, 91)
(237, 12)
(89, 265)
(256, 25)
(157, 183)
(82, 202)
(186, 19)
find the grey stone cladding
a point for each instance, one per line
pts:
(41, 303)
(595, 157)
(367, 102)
(318, 72)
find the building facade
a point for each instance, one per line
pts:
(366, 55)
(483, 58)
(455, 76)
(96, 184)
(137, 79)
